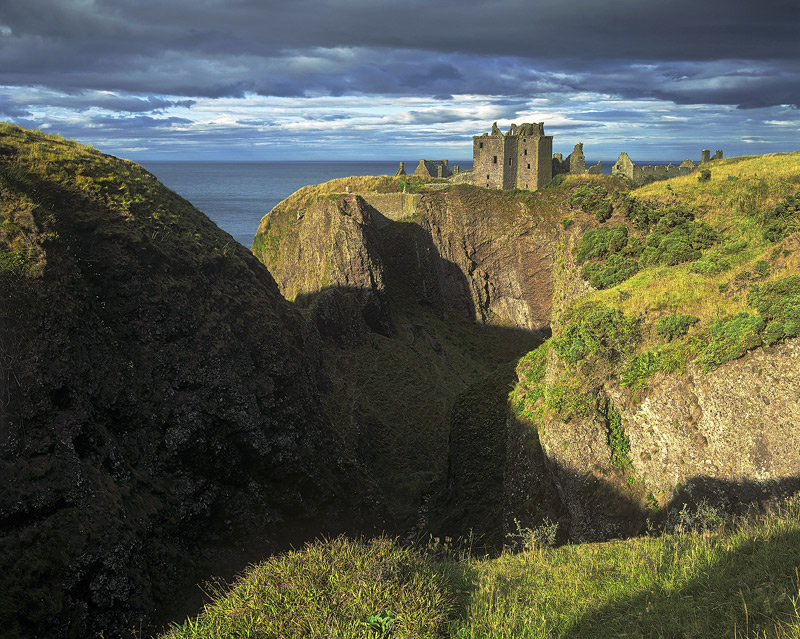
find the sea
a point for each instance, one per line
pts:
(236, 195)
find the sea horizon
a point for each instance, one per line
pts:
(237, 194)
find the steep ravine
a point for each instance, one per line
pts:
(413, 313)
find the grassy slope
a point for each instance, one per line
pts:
(704, 579)
(736, 203)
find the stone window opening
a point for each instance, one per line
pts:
(495, 159)
(526, 152)
(529, 166)
(480, 145)
(509, 161)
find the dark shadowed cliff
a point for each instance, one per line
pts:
(160, 405)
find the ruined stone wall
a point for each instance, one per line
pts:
(544, 164)
(535, 166)
(389, 207)
(643, 174)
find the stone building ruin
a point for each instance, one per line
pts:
(643, 174)
(521, 159)
(433, 169)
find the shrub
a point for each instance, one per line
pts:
(567, 399)
(731, 338)
(603, 210)
(640, 368)
(705, 175)
(588, 197)
(641, 213)
(604, 332)
(778, 303)
(615, 270)
(783, 219)
(598, 243)
(675, 245)
(711, 264)
(673, 326)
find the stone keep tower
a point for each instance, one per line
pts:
(522, 158)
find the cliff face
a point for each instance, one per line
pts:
(727, 436)
(502, 248)
(159, 398)
(411, 313)
(638, 417)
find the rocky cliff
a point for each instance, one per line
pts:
(672, 376)
(645, 398)
(412, 312)
(160, 406)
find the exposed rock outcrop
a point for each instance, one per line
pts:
(160, 406)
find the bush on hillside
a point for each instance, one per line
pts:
(612, 271)
(673, 326)
(778, 303)
(604, 332)
(730, 339)
(598, 243)
(783, 219)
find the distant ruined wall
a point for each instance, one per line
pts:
(643, 174)
(391, 206)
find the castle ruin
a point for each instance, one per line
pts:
(521, 159)
(643, 174)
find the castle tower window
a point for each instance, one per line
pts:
(480, 145)
(495, 159)
(529, 166)
(509, 161)
(526, 152)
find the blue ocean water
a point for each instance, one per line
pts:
(236, 195)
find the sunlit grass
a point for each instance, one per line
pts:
(707, 578)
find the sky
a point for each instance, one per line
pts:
(372, 79)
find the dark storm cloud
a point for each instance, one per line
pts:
(339, 47)
(86, 100)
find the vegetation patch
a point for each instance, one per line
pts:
(673, 326)
(618, 441)
(592, 198)
(730, 339)
(778, 303)
(783, 219)
(597, 332)
(677, 238)
(336, 588)
(704, 576)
